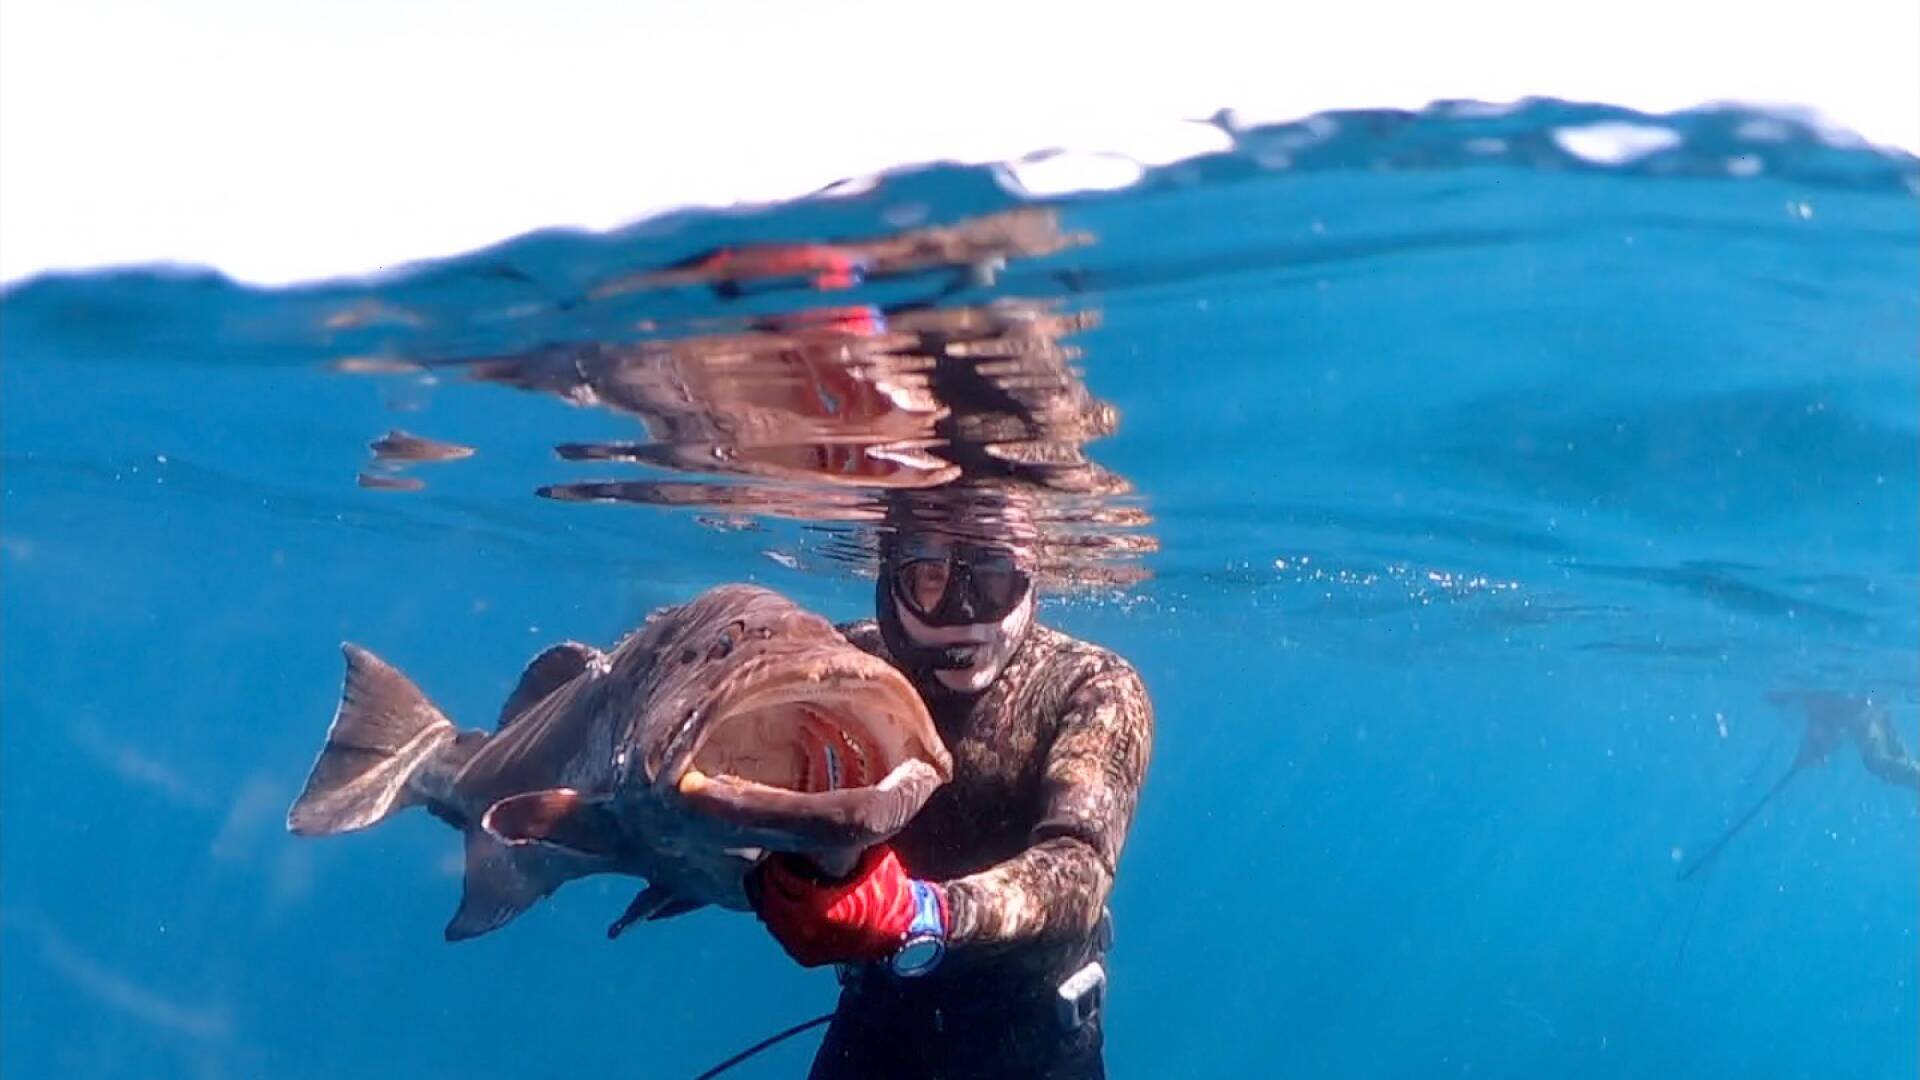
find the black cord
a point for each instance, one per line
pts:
(762, 1045)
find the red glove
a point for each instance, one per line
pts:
(864, 916)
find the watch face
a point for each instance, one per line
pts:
(918, 956)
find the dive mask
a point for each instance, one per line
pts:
(959, 583)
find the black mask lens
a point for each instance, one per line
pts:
(961, 586)
(922, 584)
(997, 585)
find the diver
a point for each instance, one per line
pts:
(1866, 722)
(1831, 719)
(973, 944)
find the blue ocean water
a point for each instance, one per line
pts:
(1474, 489)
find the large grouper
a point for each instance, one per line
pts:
(724, 728)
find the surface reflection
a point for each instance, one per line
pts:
(972, 252)
(826, 414)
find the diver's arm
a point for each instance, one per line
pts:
(1058, 887)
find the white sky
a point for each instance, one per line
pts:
(281, 140)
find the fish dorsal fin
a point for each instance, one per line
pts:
(551, 670)
(557, 817)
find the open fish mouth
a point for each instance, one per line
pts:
(818, 758)
(812, 734)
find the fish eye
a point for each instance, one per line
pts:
(730, 637)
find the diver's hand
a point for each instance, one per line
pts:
(864, 916)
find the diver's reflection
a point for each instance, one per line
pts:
(971, 252)
(814, 416)
(908, 398)
(827, 400)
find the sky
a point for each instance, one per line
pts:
(281, 141)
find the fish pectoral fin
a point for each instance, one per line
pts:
(651, 905)
(854, 818)
(560, 817)
(551, 670)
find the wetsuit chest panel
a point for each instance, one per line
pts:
(999, 742)
(990, 1011)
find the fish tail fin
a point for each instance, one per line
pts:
(383, 732)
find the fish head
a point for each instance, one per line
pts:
(785, 734)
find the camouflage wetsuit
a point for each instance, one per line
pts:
(1048, 764)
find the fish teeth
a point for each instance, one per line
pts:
(860, 756)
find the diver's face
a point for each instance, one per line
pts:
(969, 603)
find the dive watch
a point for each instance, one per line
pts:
(926, 940)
